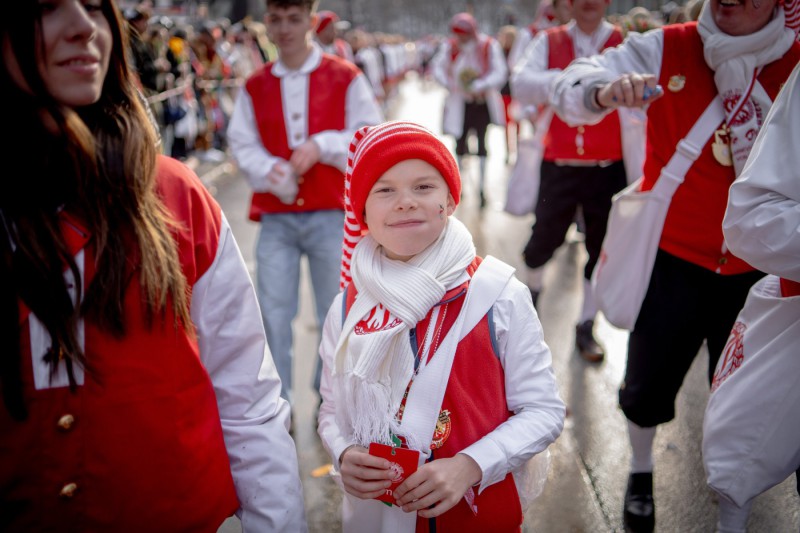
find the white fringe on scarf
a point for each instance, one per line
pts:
(371, 371)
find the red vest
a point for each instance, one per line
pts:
(693, 228)
(322, 187)
(789, 288)
(475, 401)
(601, 141)
(145, 447)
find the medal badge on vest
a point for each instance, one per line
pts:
(722, 146)
(676, 83)
(442, 431)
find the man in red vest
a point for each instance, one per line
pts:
(471, 66)
(548, 15)
(327, 38)
(742, 52)
(582, 166)
(289, 132)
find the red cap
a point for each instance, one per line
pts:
(464, 23)
(324, 18)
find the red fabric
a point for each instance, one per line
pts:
(693, 228)
(146, 446)
(601, 141)
(506, 105)
(322, 186)
(789, 288)
(324, 18)
(476, 399)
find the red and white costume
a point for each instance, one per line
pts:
(693, 228)
(482, 55)
(532, 84)
(502, 400)
(339, 48)
(166, 429)
(327, 99)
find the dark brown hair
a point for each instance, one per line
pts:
(98, 163)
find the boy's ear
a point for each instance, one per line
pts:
(451, 204)
(314, 20)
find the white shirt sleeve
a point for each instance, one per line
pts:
(519, 47)
(497, 73)
(247, 148)
(641, 53)
(762, 222)
(531, 390)
(255, 419)
(531, 80)
(332, 437)
(440, 65)
(361, 109)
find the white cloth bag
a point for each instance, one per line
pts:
(751, 431)
(635, 222)
(523, 183)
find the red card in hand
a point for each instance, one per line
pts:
(404, 463)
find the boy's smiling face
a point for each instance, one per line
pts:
(407, 208)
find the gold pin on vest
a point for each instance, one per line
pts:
(676, 83)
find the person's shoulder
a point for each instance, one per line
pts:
(681, 30)
(171, 173)
(336, 63)
(180, 188)
(264, 71)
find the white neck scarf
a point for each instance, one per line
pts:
(735, 61)
(374, 361)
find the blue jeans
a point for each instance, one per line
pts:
(283, 240)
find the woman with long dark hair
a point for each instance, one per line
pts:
(137, 390)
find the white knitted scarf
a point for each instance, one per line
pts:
(736, 61)
(374, 362)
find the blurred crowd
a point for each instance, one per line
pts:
(191, 70)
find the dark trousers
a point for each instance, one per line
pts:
(685, 305)
(562, 190)
(476, 118)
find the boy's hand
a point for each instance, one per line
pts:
(305, 156)
(364, 476)
(440, 483)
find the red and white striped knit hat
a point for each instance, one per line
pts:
(463, 23)
(373, 151)
(324, 18)
(791, 9)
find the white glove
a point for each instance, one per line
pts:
(283, 182)
(478, 86)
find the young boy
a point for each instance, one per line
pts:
(407, 268)
(289, 132)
